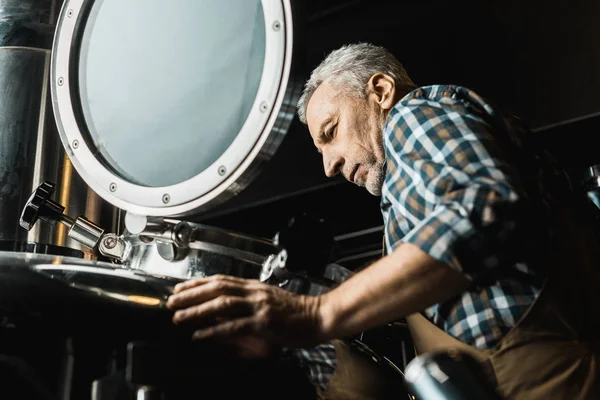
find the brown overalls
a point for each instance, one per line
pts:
(552, 353)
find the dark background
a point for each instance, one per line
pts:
(538, 59)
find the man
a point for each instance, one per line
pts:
(479, 238)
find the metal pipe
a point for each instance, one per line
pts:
(354, 257)
(362, 232)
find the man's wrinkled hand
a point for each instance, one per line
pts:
(230, 309)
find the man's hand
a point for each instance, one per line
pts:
(240, 311)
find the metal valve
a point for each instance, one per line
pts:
(40, 206)
(172, 238)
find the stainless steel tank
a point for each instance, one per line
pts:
(30, 147)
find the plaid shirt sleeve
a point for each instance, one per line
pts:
(318, 362)
(445, 173)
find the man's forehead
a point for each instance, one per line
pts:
(320, 106)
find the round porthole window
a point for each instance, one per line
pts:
(168, 108)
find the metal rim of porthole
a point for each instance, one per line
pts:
(264, 128)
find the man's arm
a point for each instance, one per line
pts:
(402, 283)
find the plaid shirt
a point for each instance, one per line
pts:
(460, 182)
(448, 169)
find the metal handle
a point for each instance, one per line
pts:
(40, 207)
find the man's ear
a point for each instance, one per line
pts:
(382, 88)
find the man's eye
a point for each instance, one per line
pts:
(330, 133)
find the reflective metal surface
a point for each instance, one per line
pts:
(449, 376)
(30, 151)
(149, 393)
(178, 171)
(22, 22)
(591, 184)
(146, 279)
(57, 276)
(211, 251)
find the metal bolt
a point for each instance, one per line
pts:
(61, 81)
(166, 198)
(110, 242)
(276, 26)
(264, 106)
(70, 13)
(222, 170)
(113, 187)
(75, 143)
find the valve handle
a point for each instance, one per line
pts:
(40, 206)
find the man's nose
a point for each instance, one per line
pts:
(332, 164)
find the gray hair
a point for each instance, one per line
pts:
(350, 67)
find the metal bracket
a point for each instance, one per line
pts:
(274, 266)
(114, 246)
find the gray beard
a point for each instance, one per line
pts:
(376, 185)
